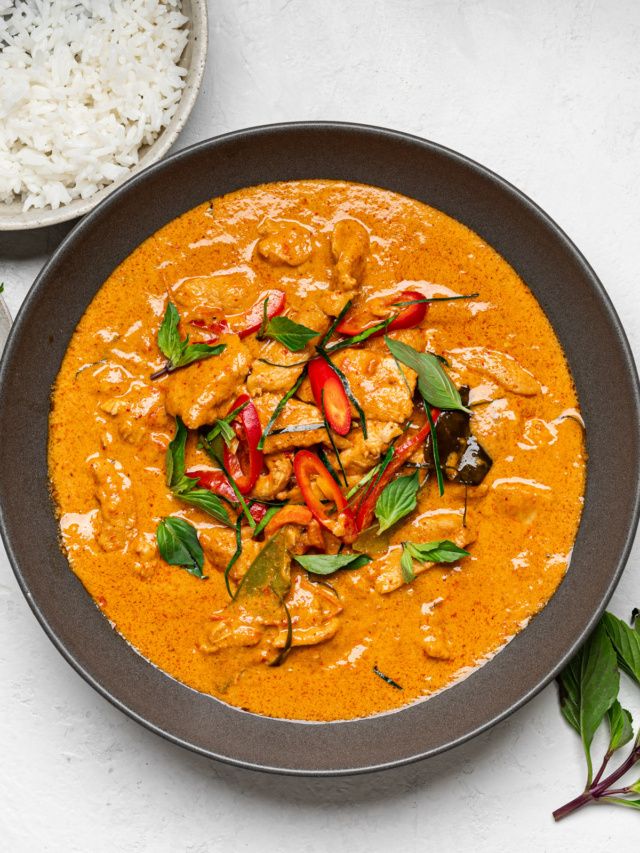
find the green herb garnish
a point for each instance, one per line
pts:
(178, 352)
(235, 556)
(222, 426)
(440, 551)
(186, 488)
(278, 409)
(433, 382)
(436, 299)
(293, 336)
(588, 691)
(179, 545)
(397, 500)
(435, 449)
(327, 564)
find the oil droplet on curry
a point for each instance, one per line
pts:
(400, 590)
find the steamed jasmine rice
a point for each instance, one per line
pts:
(83, 87)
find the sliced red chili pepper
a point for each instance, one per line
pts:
(306, 466)
(408, 317)
(253, 319)
(258, 511)
(401, 452)
(215, 481)
(329, 395)
(246, 463)
(216, 327)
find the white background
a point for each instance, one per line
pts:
(547, 94)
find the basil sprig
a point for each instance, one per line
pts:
(397, 500)
(440, 551)
(179, 545)
(178, 352)
(434, 383)
(294, 336)
(186, 488)
(327, 564)
(588, 691)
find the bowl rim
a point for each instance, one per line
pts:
(596, 288)
(46, 217)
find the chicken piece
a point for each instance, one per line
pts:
(500, 366)
(210, 297)
(377, 384)
(231, 629)
(362, 454)
(218, 544)
(285, 241)
(350, 247)
(203, 391)
(429, 527)
(314, 610)
(519, 499)
(271, 484)
(496, 426)
(436, 642)
(115, 523)
(332, 302)
(265, 378)
(295, 412)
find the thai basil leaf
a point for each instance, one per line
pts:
(626, 642)
(293, 336)
(433, 381)
(179, 546)
(327, 564)
(206, 501)
(406, 565)
(620, 726)
(588, 688)
(398, 499)
(174, 460)
(440, 551)
(178, 352)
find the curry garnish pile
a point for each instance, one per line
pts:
(316, 450)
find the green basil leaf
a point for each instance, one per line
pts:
(398, 499)
(196, 352)
(206, 501)
(626, 642)
(327, 564)
(179, 546)
(433, 381)
(168, 335)
(293, 336)
(440, 551)
(406, 565)
(588, 688)
(174, 459)
(620, 726)
(266, 518)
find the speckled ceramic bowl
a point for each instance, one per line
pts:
(566, 288)
(12, 218)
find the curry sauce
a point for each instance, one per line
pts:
(360, 640)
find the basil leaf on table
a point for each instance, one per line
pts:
(434, 382)
(293, 336)
(626, 642)
(398, 499)
(620, 726)
(179, 545)
(327, 564)
(178, 352)
(588, 689)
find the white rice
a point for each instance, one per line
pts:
(84, 84)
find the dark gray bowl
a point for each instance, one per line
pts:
(568, 291)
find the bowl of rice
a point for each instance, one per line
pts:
(91, 92)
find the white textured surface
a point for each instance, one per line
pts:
(548, 95)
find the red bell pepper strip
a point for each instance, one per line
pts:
(255, 314)
(306, 466)
(401, 452)
(329, 395)
(246, 463)
(215, 481)
(407, 318)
